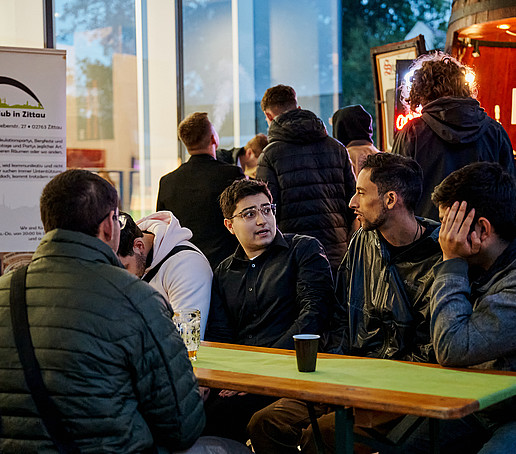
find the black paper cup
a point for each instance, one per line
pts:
(306, 351)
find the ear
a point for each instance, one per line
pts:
(249, 153)
(484, 229)
(107, 228)
(269, 115)
(139, 245)
(390, 198)
(229, 225)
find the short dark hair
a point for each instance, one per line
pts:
(436, 75)
(238, 190)
(77, 200)
(488, 188)
(280, 97)
(393, 172)
(195, 131)
(127, 236)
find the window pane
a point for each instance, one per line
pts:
(102, 121)
(22, 23)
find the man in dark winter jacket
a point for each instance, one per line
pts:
(309, 173)
(383, 288)
(453, 130)
(110, 356)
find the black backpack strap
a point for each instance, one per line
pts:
(46, 407)
(148, 277)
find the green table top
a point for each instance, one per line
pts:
(383, 374)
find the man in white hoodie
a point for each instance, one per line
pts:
(156, 249)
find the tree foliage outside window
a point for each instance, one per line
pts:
(372, 23)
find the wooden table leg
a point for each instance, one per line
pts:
(344, 430)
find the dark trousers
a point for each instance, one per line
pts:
(228, 416)
(285, 424)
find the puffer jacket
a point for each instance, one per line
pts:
(451, 133)
(311, 180)
(383, 309)
(109, 353)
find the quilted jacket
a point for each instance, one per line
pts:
(311, 180)
(109, 353)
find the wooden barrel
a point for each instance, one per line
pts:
(467, 13)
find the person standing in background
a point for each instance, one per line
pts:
(308, 173)
(453, 130)
(245, 157)
(191, 192)
(353, 128)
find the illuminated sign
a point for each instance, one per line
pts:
(402, 120)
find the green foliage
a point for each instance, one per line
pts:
(372, 23)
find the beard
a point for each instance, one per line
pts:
(141, 264)
(377, 222)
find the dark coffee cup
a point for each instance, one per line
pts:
(306, 351)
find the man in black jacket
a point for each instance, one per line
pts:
(309, 173)
(272, 287)
(191, 192)
(383, 288)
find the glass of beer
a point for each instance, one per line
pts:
(188, 323)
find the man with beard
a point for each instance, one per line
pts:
(157, 249)
(383, 288)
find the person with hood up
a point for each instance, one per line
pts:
(353, 128)
(308, 173)
(452, 131)
(156, 249)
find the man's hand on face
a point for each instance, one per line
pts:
(454, 237)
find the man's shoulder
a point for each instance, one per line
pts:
(302, 243)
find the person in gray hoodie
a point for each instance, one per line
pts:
(473, 300)
(452, 131)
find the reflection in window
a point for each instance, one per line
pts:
(99, 36)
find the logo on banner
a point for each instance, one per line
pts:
(17, 84)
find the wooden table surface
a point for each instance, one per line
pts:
(408, 403)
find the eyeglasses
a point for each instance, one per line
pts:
(121, 218)
(250, 214)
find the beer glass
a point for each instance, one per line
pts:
(188, 323)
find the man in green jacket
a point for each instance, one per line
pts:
(113, 363)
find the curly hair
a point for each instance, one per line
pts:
(436, 75)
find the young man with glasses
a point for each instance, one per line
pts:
(272, 287)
